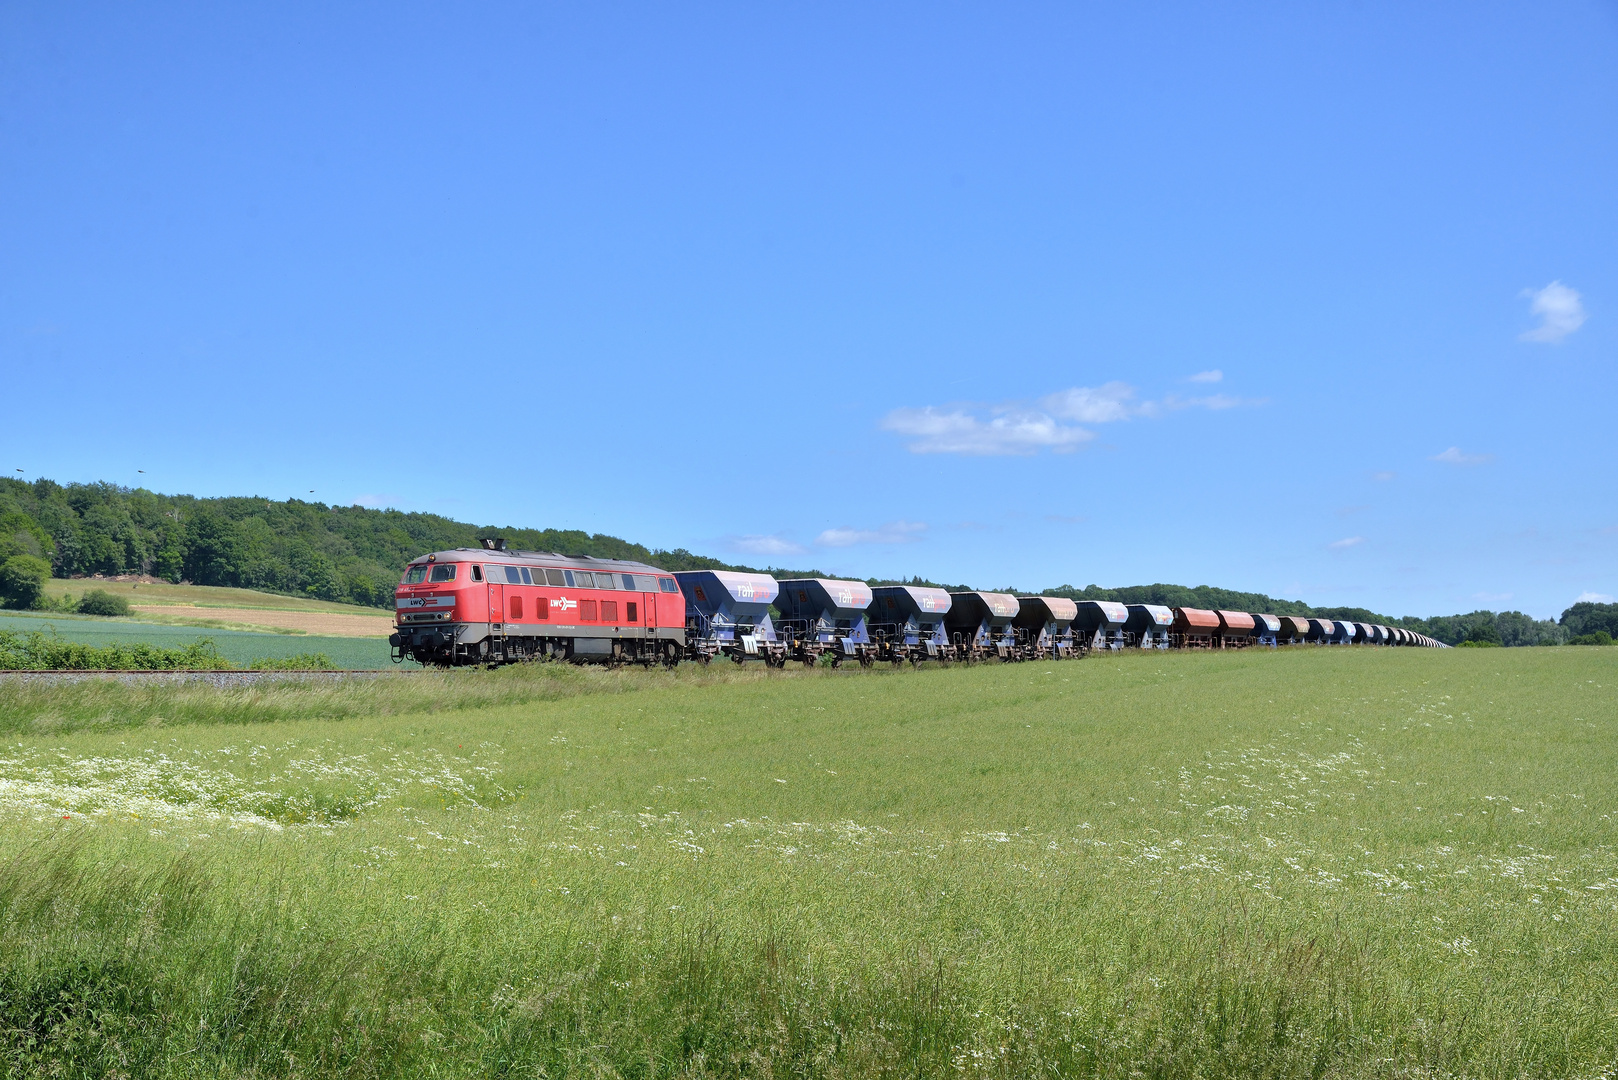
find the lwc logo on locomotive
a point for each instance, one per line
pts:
(562, 603)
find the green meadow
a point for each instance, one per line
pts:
(1305, 863)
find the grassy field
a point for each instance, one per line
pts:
(239, 646)
(1319, 862)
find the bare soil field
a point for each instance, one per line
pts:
(320, 623)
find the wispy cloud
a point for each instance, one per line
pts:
(1491, 597)
(1560, 311)
(1346, 542)
(1207, 376)
(764, 545)
(935, 431)
(1092, 405)
(1051, 423)
(893, 532)
(1065, 519)
(1593, 598)
(376, 501)
(1453, 456)
(1383, 477)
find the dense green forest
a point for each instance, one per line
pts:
(354, 554)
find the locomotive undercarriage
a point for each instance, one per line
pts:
(468, 645)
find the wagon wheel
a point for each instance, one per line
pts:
(811, 660)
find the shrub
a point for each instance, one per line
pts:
(1600, 637)
(47, 652)
(102, 602)
(318, 661)
(22, 580)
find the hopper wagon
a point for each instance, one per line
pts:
(1099, 624)
(1195, 628)
(728, 614)
(1267, 630)
(1148, 626)
(906, 622)
(1235, 629)
(1294, 629)
(1322, 631)
(980, 625)
(825, 617)
(1045, 627)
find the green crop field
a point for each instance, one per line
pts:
(240, 647)
(1311, 863)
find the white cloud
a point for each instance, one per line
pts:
(894, 532)
(1207, 376)
(1015, 428)
(1593, 598)
(1453, 456)
(764, 545)
(1087, 405)
(1560, 310)
(959, 432)
(1346, 542)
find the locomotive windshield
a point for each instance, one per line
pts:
(444, 572)
(415, 575)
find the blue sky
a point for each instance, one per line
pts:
(1315, 300)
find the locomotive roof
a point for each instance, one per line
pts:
(542, 558)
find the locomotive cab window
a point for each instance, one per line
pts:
(444, 571)
(477, 572)
(415, 575)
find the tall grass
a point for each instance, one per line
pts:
(1309, 865)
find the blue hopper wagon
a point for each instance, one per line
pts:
(980, 625)
(1266, 630)
(728, 614)
(1148, 626)
(1322, 632)
(1099, 624)
(825, 617)
(1045, 627)
(907, 623)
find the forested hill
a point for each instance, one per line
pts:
(355, 554)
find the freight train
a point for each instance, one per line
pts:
(493, 606)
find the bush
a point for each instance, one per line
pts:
(42, 652)
(1600, 637)
(102, 602)
(22, 580)
(316, 661)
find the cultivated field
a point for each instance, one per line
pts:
(1321, 862)
(224, 608)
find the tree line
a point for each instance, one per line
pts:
(355, 554)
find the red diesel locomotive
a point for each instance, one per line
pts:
(491, 605)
